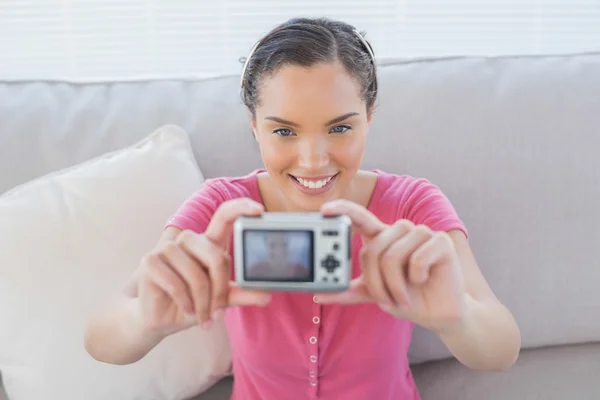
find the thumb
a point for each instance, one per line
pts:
(356, 294)
(245, 297)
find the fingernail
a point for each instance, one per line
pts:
(206, 325)
(218, 314)
(333, 204)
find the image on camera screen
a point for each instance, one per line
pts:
(278, 256)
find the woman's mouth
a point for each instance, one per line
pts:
(316, 185)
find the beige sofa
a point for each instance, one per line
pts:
(513, 141)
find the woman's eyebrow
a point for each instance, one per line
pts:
(341, 118)
(333, 121)
(282, 121)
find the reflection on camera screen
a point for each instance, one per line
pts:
(278, 255)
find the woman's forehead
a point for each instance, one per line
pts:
(325, 86)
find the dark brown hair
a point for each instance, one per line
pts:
(307, 41)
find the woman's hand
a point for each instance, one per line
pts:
(410, 271)
(188, 280)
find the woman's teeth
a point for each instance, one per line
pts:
(313, 184)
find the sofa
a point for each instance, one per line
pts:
(513, 142)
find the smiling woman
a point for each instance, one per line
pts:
(326, 140)
(311, 90)
(311, 86)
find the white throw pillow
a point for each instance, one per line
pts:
(69, 240)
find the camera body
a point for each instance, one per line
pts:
(297, 252)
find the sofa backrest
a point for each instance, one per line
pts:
(514, 143)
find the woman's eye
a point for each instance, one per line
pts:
(283, 132)
(341, 129)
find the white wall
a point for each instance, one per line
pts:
(92, 40)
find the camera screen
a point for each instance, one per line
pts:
(278, 256)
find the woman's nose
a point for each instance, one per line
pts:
(313, 154)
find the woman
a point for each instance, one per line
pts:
(310, 86)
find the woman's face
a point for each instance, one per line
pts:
(277, 245)
(311, 126)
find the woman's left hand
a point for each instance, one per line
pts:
(409, 270)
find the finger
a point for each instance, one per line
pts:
(371, 260)
(357, 293)
(372, 276)
(220, 276)
(435, 250)
(391, 263)
(242, 297)
(365, 222)
(169, 282)
(218, 267)
(395, 261)
(390, 235)
(221, 224)
(395, 283)
(195, 278)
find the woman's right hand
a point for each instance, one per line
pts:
(187, 279)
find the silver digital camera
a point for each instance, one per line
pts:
(305, 252)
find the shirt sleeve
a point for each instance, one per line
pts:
(196, 212)
(426, 204)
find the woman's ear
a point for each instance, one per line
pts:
(253, 123)
(370, 114)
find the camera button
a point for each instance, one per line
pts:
(330, 263)
(316, 320)
(336, 246)
(312, 340)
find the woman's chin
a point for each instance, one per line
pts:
(312, 204)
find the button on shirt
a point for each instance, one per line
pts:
(296, 348)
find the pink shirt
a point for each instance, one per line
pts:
(296, 348)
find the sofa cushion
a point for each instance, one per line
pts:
(70, 240)
(220, 391)
(555, 373)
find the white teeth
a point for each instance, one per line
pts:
(314, 184)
